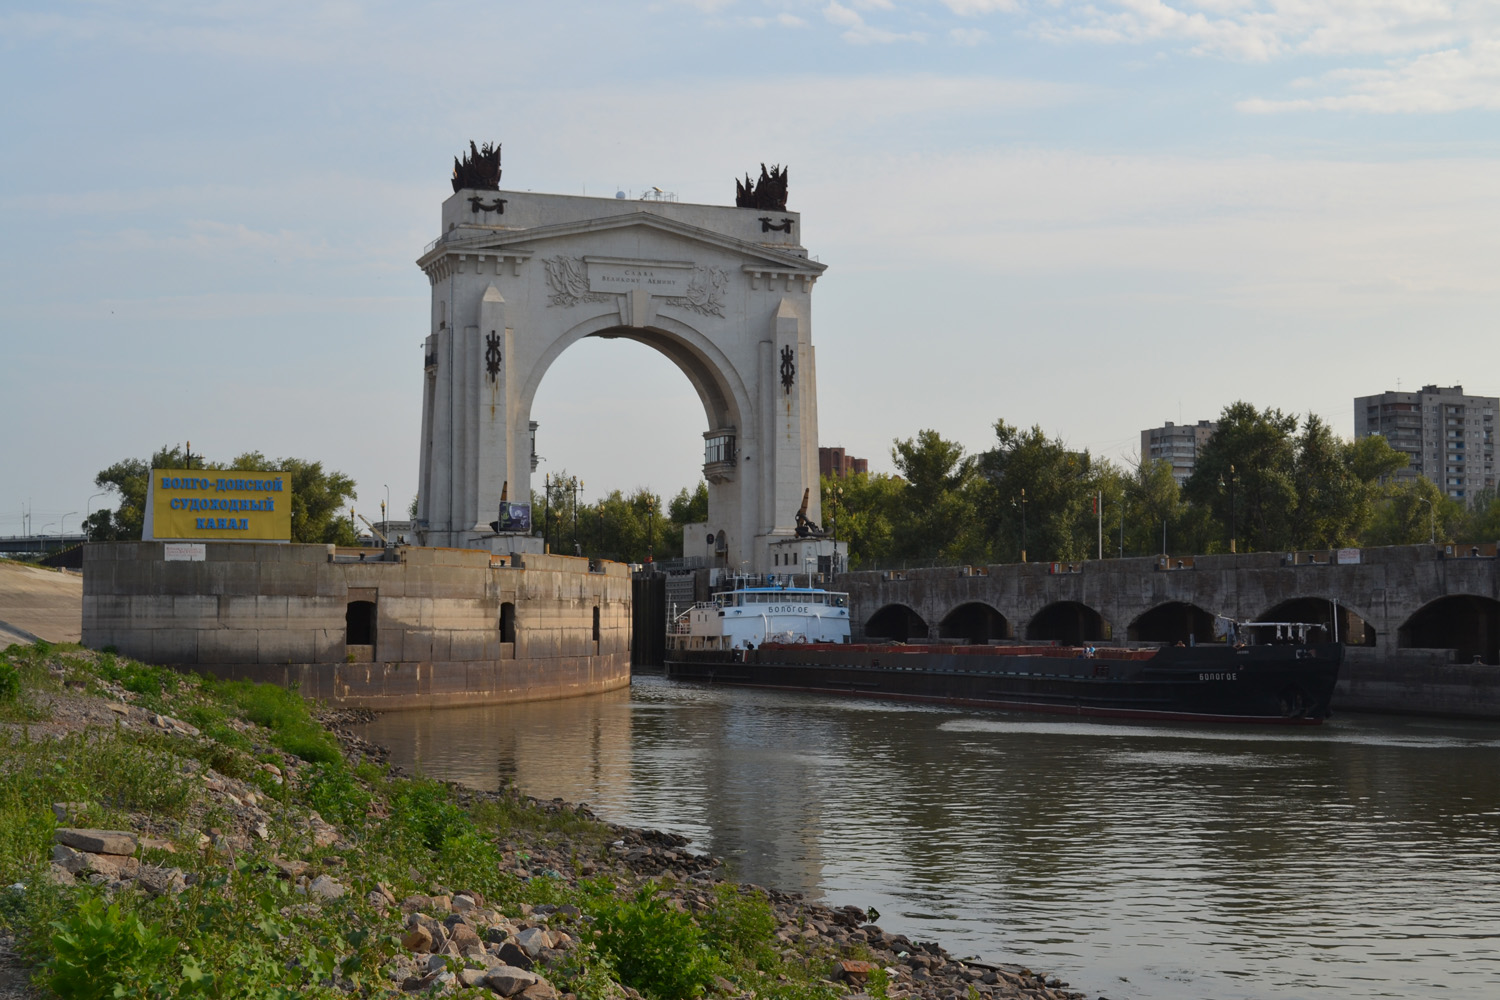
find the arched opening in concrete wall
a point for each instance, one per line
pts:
(1068, 622)
(583, 431)
(976, 623)
(359, 624)
(1175, 621)
(1465, 623)
(507, 622)
(898, 622)
(1353, 630)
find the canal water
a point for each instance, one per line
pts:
(1357, 859)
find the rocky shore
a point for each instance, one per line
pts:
(215, 839)
(922, 970)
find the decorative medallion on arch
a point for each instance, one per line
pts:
(723, 297)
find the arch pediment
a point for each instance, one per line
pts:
(524, 243)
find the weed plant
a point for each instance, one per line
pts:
(241, 930)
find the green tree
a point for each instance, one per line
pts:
(859, 509)
(1415, 511)
(1482, 523)
(1041, 495)
(935, 515)
(128, 479)
(1154, 508)
(1245, 475)
(1333, 505)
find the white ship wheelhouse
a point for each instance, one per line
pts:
(760, 610)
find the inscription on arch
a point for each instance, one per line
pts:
(698, 288)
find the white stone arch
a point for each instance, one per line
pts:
(723, 293)
(720, 388)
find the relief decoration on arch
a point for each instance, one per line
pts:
(705, 293)
(568, 277)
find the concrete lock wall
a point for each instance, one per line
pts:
(1395, 663)
(282, 613)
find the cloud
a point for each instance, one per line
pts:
(968, 37)
(857, 32)
(782, 20)
(1434, 82)
(973, 8)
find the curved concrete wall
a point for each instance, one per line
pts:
(278, 613)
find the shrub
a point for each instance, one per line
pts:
(655, 948)
(333, 792)
(101, 952)
(285, 714)
(742, 926)
(10, 682)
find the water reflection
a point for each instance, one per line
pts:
(1358, 859)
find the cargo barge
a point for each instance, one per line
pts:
(796, 639)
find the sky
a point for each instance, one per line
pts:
(1093, 217)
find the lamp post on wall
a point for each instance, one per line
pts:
(1233, 521)
(1431, 521)
(650, 528)
(575, 484)
(1021, 503)
(836, 500)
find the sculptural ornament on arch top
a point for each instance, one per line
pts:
(724, 292)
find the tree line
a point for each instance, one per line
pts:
(620, 526)
(1265, 481)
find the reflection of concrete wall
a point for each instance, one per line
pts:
(277, 613)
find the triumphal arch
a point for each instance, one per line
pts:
(724, 292)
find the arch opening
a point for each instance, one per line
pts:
(359, 624)
(898, 622)
(685, 442)
(508, 622)
(1173, 622)
(1353, 630)
(1467, 624)
(1068, 622)
(976, 623)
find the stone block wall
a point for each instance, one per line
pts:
(278, 613)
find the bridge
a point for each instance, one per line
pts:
(1422, 621)
(21, 545)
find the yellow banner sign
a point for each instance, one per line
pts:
(229, 506)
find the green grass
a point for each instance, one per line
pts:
(240, 930)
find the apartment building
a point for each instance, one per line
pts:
(1449, 436)
(1177, 444)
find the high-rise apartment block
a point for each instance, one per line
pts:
(1178, 445)
(1449, 437)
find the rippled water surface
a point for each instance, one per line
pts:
(1356, 859)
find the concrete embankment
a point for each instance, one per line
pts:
(38, 603)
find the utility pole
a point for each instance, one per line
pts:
(1099, 512)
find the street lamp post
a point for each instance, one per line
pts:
(386, 505)
(575, 484)
(650, 528)
(89, 508)
(1431, 521)
(1021, 503)
(1233, 522)
(62, 526)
